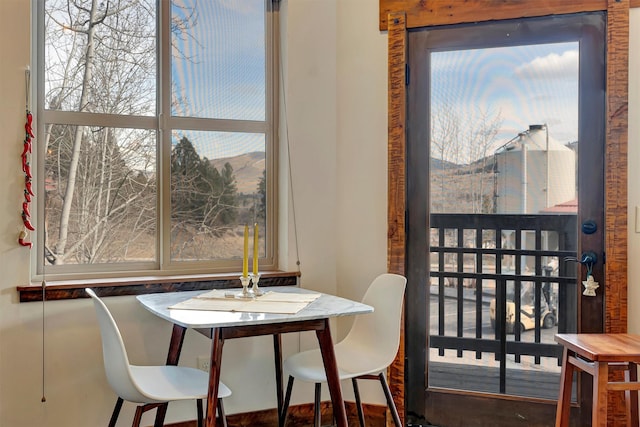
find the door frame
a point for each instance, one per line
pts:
(396, 17)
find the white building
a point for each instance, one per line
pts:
(534, 172)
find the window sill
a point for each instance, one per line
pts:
(73, 289)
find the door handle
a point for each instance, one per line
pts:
(588, 259)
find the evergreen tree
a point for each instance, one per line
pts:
(228, 192)
(187, 204)
(261, 207)
(202, 198)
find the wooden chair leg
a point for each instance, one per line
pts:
(356, 393)
(160, 414)
(221, 414)
(277, 357)
(631, 396)
(390, 402)
(116, 412)
(317, 417)
(199, 410)
(138, 416)
(282, 418)
(600, 379)
(564, 398)
(147, 407)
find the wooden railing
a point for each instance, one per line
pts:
(518, 265)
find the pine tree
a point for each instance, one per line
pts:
(202, 198)
(261, 208)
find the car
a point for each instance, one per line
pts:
(548, 318)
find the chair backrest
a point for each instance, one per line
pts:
(114, 354)
(378, 334)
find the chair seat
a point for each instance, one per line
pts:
(308, 366)
(167, 383)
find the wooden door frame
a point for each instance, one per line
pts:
(397, 16)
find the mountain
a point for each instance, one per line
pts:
(247, 169)
(441, 164)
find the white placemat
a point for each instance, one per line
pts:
(270, 302)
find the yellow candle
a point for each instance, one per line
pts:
(245, 258)
(255, 248)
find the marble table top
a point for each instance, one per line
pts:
(324, 307)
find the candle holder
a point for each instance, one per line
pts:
(245, 293)
(255, 278)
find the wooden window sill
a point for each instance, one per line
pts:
(72, 289)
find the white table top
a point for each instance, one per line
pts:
(324, 307)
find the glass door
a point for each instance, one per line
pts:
(505, 195)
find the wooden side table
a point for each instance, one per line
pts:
(597, 354)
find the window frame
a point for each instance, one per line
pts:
(162, 123)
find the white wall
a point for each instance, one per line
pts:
(362, 146)
(335, 66)
(362, 158)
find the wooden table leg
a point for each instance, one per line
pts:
(214, 376)
(277, 355)
(600, 381)
(331, 370)
(173, 356)
(564, 398)
(631, 396)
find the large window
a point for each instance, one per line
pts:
(155, 135)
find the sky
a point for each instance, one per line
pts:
(534, 84)
(218, 71)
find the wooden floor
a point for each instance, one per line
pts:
(519, 382)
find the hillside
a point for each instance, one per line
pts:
(247, 169)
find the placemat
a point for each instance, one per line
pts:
(270, 302)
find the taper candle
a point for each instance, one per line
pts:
(255, 248)
(245, 258)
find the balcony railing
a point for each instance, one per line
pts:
(512, 269)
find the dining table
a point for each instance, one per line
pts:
(220, 324)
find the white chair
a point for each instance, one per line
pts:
(368, 349)
(150, 386)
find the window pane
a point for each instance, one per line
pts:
(100, 57)
(504, 132)
(218, 59)
(100, 195)
(494, 107)
(100, 101)
(217, 186)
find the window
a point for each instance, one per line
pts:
(155, 135)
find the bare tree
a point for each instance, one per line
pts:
(101, 192)
(103, 61)
(461, 159)
(446, 144)
(481, 145)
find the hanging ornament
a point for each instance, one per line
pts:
(22, 239)
(26, 168)
(590, 286)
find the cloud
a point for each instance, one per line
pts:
(552, 66)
